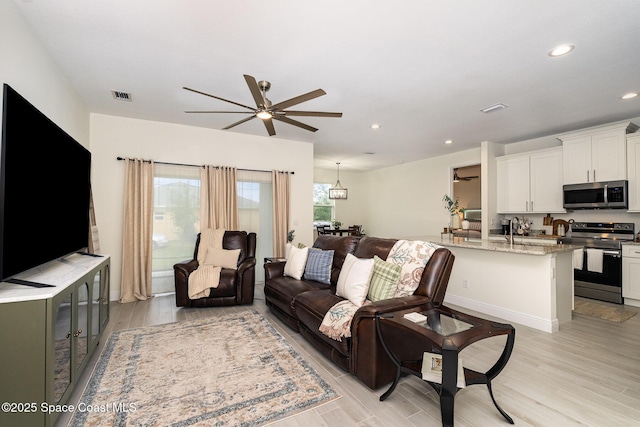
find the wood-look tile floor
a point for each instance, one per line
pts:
(587, 374)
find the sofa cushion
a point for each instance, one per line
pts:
(281, 291)
(384, 279)
(225, 258)
(310, 307)
(318, 266)
(353, 282)
(342, 245)
(296, 262)
(368, 247)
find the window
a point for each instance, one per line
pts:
(176, 221)
(177, 218)
(322, 207)
(255, 211)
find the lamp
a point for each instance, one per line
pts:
(456, 178)
(338, 192)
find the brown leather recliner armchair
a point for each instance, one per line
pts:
(236, 286)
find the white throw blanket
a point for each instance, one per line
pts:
(205, 277)
(337, 321)
(412, 255)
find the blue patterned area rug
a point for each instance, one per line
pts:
(231, 370)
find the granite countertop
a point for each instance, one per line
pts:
(520, 246)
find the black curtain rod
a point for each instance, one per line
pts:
(198, 166)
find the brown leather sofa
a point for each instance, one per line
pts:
(236, 286)
(302, 305)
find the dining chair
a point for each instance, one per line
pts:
(355, 230)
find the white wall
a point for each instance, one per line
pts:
(406, 200)
(26, 67)
(117, 136)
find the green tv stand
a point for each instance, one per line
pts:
(48, 334)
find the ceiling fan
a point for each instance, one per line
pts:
(457, 178)
(266, 110)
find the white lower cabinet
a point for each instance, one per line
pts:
(631, 274)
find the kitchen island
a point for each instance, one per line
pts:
(526, 283)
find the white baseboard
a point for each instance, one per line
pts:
(503, 313)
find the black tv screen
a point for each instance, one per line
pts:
(45, 184)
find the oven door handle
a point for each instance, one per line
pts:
(613, 253)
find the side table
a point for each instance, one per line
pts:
(444, 331)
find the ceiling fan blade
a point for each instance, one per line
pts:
(311, 113)
(294, 123)
(217, 97)
(255, 90)
(298, 99)
(239, 122)
(229, 112)
(268, 123)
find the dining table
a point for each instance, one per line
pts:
(338, 231)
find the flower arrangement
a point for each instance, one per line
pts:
(336, 224)
(290, 235)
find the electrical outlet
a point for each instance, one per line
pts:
(465, 283)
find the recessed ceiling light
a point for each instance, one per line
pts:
(629, 95)
(563, 49)
(375, 126)
(449, 141)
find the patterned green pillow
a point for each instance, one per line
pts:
(384, 279)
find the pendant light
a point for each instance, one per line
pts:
(338, 192)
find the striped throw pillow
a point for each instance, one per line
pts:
(384, 279)
(318, 266)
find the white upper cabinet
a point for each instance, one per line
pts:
(596, 154)
(633, 163)
(530, 182)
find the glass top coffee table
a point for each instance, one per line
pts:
(425, 342)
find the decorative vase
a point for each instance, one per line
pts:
(455, 221)
(465, 224)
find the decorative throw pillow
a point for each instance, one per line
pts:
(318, 266)
(294, 267)
(384, 279)
(412, 256)
(225, 258)
(288, 246)
(353, 282)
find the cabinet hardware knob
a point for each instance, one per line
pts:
(78, 332)
(68, 334)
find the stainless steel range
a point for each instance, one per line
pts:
(599, 275)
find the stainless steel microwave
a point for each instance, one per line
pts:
(596, 195)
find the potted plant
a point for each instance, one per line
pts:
(454, 210)
(336, 224)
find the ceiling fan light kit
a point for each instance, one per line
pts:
(338, 192)
(266, 110)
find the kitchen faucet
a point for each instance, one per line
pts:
(510, 238)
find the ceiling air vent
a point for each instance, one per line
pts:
(121, 96)
(493, 108)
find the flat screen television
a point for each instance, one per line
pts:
(45, 178)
